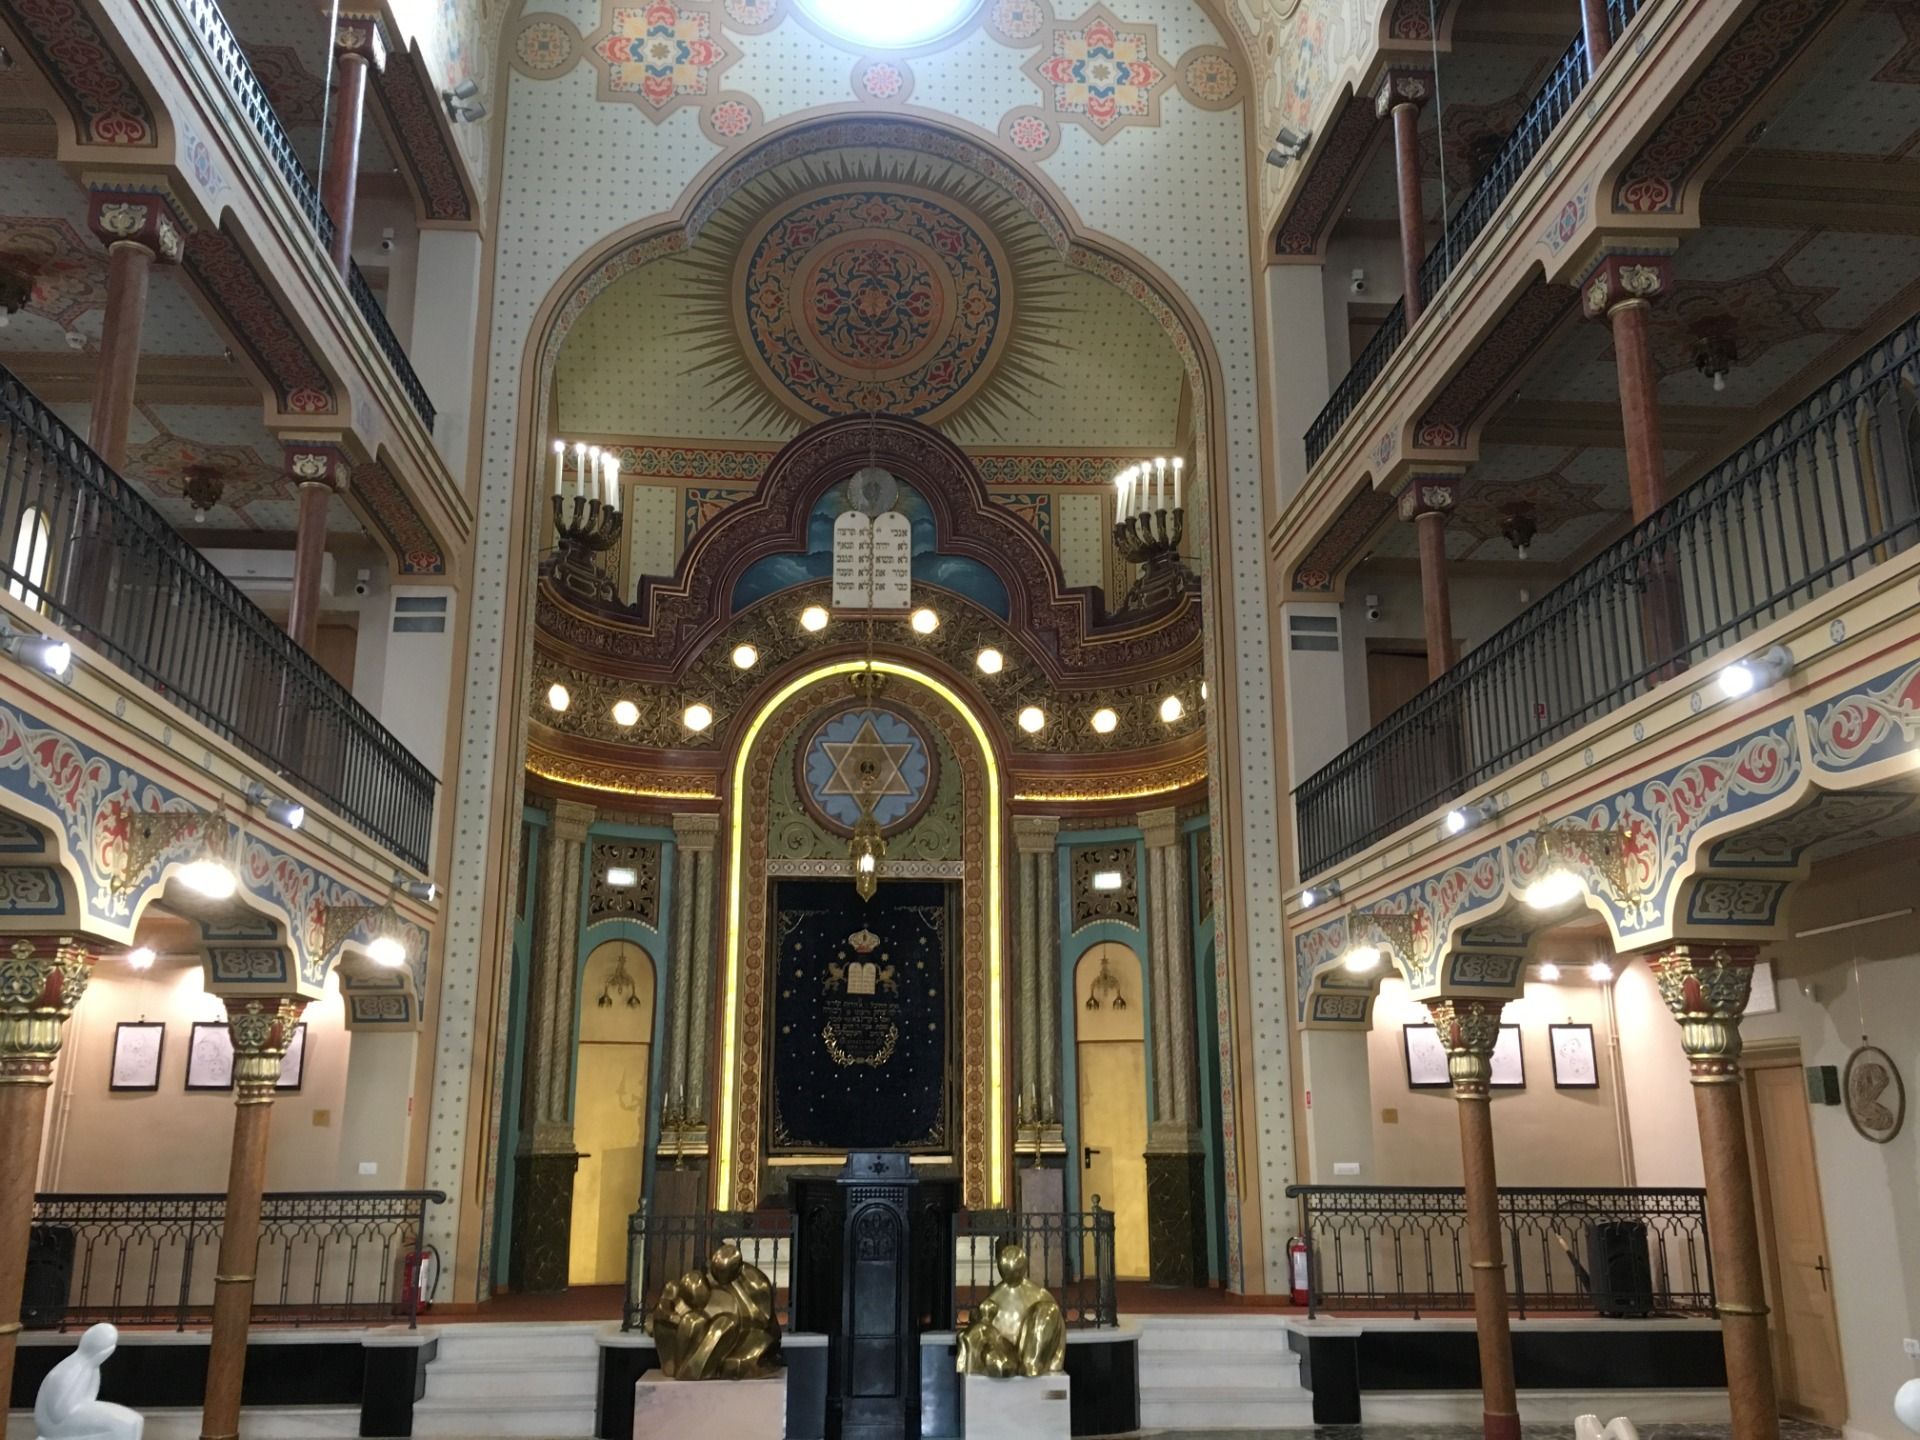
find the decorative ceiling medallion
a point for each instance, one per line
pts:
(1102, 72)
(873, 300)
(660, 56)
(1208, 78)
(546, 47)
(866, 756)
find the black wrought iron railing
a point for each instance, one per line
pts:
(1070, 1253)
(1819, 497)
(1464, 225)
(661, 1247)
(246, 91)
(1606, 1251)
(84, 548)
(150, 1260)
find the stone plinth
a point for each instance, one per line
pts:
(1018, 1409)
(666, 1409)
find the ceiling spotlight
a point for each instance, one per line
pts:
(924, 621)
(1554, 889)
(990, 661)
(1172, 708)
(1600, 972)
(626, 714)
(1108, 880)
(1550, 972)
(814, 618)
(1105, 722)
(1033, 719)
(1314, 894)
(558, 698)
(387, 949)
(622, 877)
(41, 651)
(425, 891)
(290, 813)
(745, 657)
(1465, 817)
(697, 717)
(1756, 672)
(210, 877)
(141, 957)
(1288, 146)
(1362, 958)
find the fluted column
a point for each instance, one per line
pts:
(41, 980)
(1036, 982)
(683, 1123)
(1469, 1029)
(1706, 987)
(261, 1028)
(1402, 92)
(543, 1191)
(1176, 1159)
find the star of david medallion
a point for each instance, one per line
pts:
(865, 759)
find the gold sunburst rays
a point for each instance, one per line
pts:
(1020, 358)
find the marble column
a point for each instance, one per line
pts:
(140, 229)
(316, 471)
(683, 1113)
(360, 45)
(543, 1182)
(1469, 1029)
(1428, 503)
(1599, 36)
(1706, 987)
(1039, 1139)
(262, 1027)
(1402, 93)
(1176, 1150)
(41, 980)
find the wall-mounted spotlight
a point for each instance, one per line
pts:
(43, 652)
(290, 813)
(1756, 672)
(1464, 817)
(425, 891)
(462, 104)
(1288, 146)
(1361, 959)
(141, 957)
(1314, 894)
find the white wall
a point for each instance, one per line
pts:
(1303, 369)
(1379, 256)
(1480, 608)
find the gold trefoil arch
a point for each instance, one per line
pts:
(983, 1149)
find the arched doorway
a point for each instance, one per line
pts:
(613, 1072)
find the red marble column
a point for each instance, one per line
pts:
(1401, 95)
(1706, 987)
(315, 471)
(138, 229)
(1593, 20)
(359, 46)
(1428, 502)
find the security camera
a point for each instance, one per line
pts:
(362, 582)
(1373, 612)
(1358, 284)
(75, 340)
(386, 244)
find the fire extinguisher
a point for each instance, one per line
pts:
(419, 1274)
(1297, 1270)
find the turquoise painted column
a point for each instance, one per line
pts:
(1176, 1149)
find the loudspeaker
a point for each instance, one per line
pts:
(1619, 1268)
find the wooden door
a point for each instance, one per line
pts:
(1802, 1322)
(1393, 678)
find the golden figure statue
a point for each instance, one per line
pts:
(1019, 1329)
(717, 1323)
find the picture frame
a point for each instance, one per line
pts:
(293, 1068)
(137, 1048)
(1576, 1064)
(210, 1057)
(1426, 1058)
(1509, 1060)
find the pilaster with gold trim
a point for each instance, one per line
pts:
(1176, 1158)
(1036, 984)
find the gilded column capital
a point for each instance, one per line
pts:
(1469, 1028)
(364, 37)
(1035, 834)
(40, 983)
(572, 820)
(1430, 495)
(1706, 987)
(1621, 277)
(315, 462)
(1160, 828)
(1402, 85)
(696, 832)
(133, 212)
(261, 1029)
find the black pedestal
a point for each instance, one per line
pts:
(1177, 1219)
(542, 1223)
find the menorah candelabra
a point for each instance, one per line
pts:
(584, 530)
(1151, 540)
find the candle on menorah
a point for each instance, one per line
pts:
(1147, 532)
(586, 522)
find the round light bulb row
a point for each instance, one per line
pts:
(697, 717)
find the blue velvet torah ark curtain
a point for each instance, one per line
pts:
(860, 1017)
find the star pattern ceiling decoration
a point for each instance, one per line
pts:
(660, 56)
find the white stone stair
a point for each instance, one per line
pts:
(512, 1381)
(1233, 1372)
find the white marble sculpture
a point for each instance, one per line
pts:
(69, 1406)
(1587, 1427)
(1906, 1405)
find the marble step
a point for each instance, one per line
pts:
(1226, 1410)
(1234, 1372)
(563, 1383)
(501, 1418)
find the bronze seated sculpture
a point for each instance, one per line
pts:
(1019, 1329)
(717, 1323)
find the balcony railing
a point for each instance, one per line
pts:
(1404, 1249)
(150, 1260)
(83, 547)
(1465, 225)
(1824, 494)
(244, 87)
(1070, 1253)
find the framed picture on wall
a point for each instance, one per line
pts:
(136, 1055)
(1509, 1061)
(1426, 1058)
(1575, 1066)
(210, 1057)
(293, 1069)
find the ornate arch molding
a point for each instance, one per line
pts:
(672, 621)
(744, 1012)
(1713, 848)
